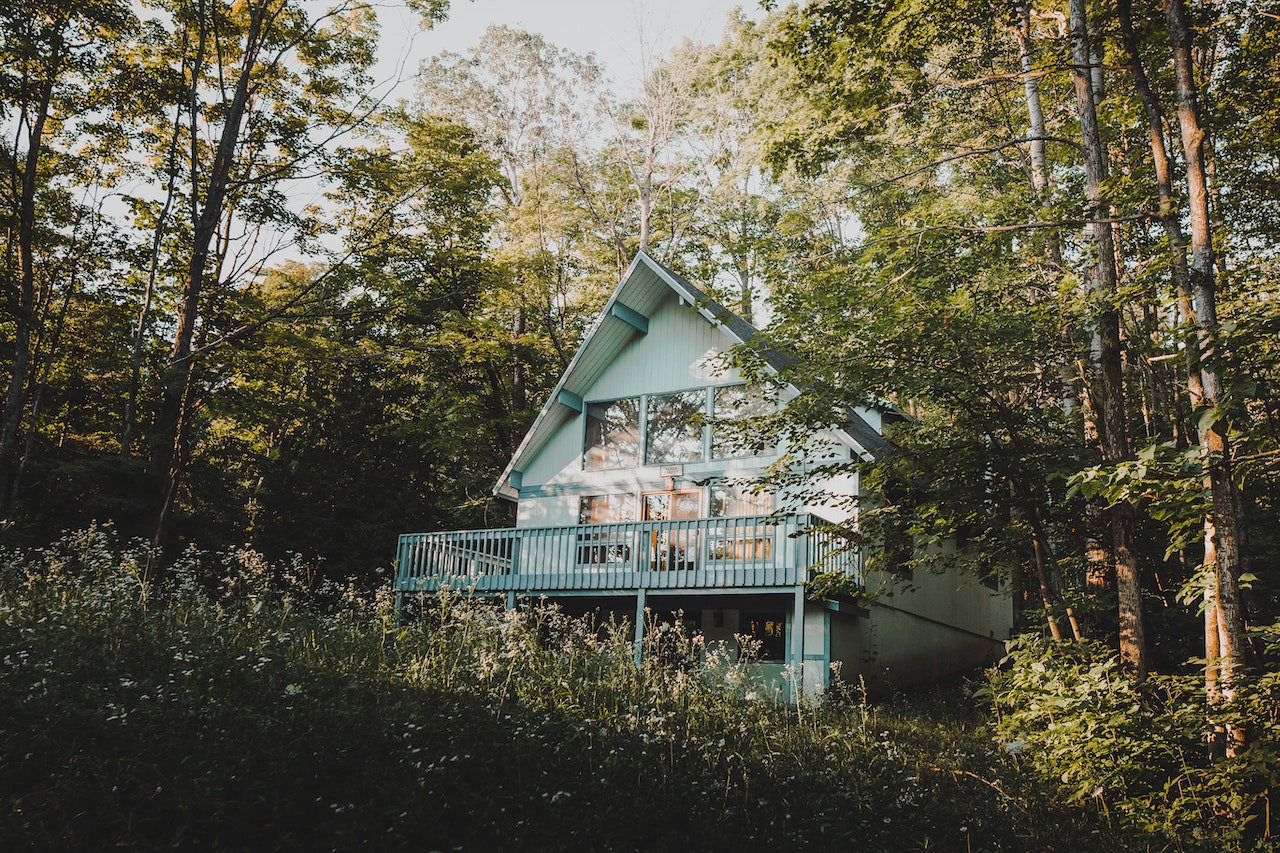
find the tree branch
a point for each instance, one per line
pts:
(972, 153)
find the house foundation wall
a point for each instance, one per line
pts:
(893, 648)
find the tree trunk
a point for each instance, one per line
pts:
(1222, 526)
(1047, 572)
(1168, 214)
(1109, 384)
(644, 189)
(518, 401)
(24, 306)
(41, 368)
(128, 427)
(172, 421)
(1047, 595)
(1022, 507)
(1031, 90)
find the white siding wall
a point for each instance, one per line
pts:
(891, 647)
(952, 597)
(679, 352)
(560, 460)
(816, 677)
(554, 511)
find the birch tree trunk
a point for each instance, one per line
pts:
(1109, 380)
(1031, 91)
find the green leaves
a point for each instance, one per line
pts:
(1137, 751)
(1165, 480)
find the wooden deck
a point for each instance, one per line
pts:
(704, 554)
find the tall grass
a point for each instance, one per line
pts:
(225, 703)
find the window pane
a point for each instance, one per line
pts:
(675, 427)
(735, 499)
(613, 435)
(667, 506)
(768, 635)
(675, 546)
(608, 547)
(735, 404)
(739, 540)
(606, 509)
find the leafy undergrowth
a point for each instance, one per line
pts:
(1141, 751)
(225, 706)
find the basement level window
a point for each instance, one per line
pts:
(767, 634)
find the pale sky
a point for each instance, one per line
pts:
(610, 28)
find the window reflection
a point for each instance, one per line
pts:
(673, 549)
(733, 406)
(730, 499)
(675, 427)
(768, 635)
(606, 509)
(606, 548)
(613, 435)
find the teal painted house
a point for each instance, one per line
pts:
(632, 496)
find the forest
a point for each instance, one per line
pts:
(251, 302)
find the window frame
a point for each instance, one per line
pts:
(588, 417)
(644, 406)
(769, 402)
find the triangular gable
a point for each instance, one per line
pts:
(624, 317)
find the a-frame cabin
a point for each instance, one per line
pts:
(632, 497)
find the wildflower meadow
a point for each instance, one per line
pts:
(222, 702)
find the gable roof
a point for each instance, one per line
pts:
(624, 317)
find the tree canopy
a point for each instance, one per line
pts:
(246, 301)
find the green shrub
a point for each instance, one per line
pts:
(1138, 752)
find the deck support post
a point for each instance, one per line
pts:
(640, 607)
(511, 599)
(797, 642)
(824, 676)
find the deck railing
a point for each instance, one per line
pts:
(702, 553)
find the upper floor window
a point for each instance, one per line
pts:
(732, 405)
(613, 434)
(675, 427)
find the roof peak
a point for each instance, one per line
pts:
(623, 322)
